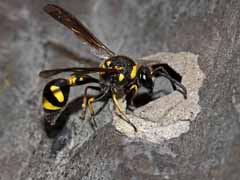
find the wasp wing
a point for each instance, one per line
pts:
(78, 28)
(79, 70)
(63, 51)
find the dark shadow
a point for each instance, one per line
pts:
(144, 98)
(60, 118)
(59, 132)
(62, 139)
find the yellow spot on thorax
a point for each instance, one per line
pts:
(102, 65)
(57, 93)
(109, 63)
(133, 72)
(72, 80)
(120, 77)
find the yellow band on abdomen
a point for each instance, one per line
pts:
(57, 93)
(49, 106)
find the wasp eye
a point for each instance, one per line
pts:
(145, 77)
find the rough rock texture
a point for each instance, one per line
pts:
(209, 150)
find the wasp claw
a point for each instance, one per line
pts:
(94, 122)
(93, 126)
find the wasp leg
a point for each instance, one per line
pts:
(78, 79)
(86, 98)
(160, 71)
(124, 117)
(90, 100)
(131, 93)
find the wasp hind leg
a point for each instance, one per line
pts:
(88, 103)
(86, 98)
(77, 79)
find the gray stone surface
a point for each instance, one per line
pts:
(210, 150)
(169, 116)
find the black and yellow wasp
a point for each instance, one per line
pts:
(119, 76)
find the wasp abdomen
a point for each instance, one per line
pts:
(55, 94)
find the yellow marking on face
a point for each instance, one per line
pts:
(133, 72)
(72, 80)
(57, 93)
(116, 103)
(109, 63)
(49, 106)
(134, 86)
(90, 106)
(120, 77)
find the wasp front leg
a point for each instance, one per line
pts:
(130, 94)
(169, 73)
(121, 111)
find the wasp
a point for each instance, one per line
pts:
(119, 76)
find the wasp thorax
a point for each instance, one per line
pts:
(127, 70)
